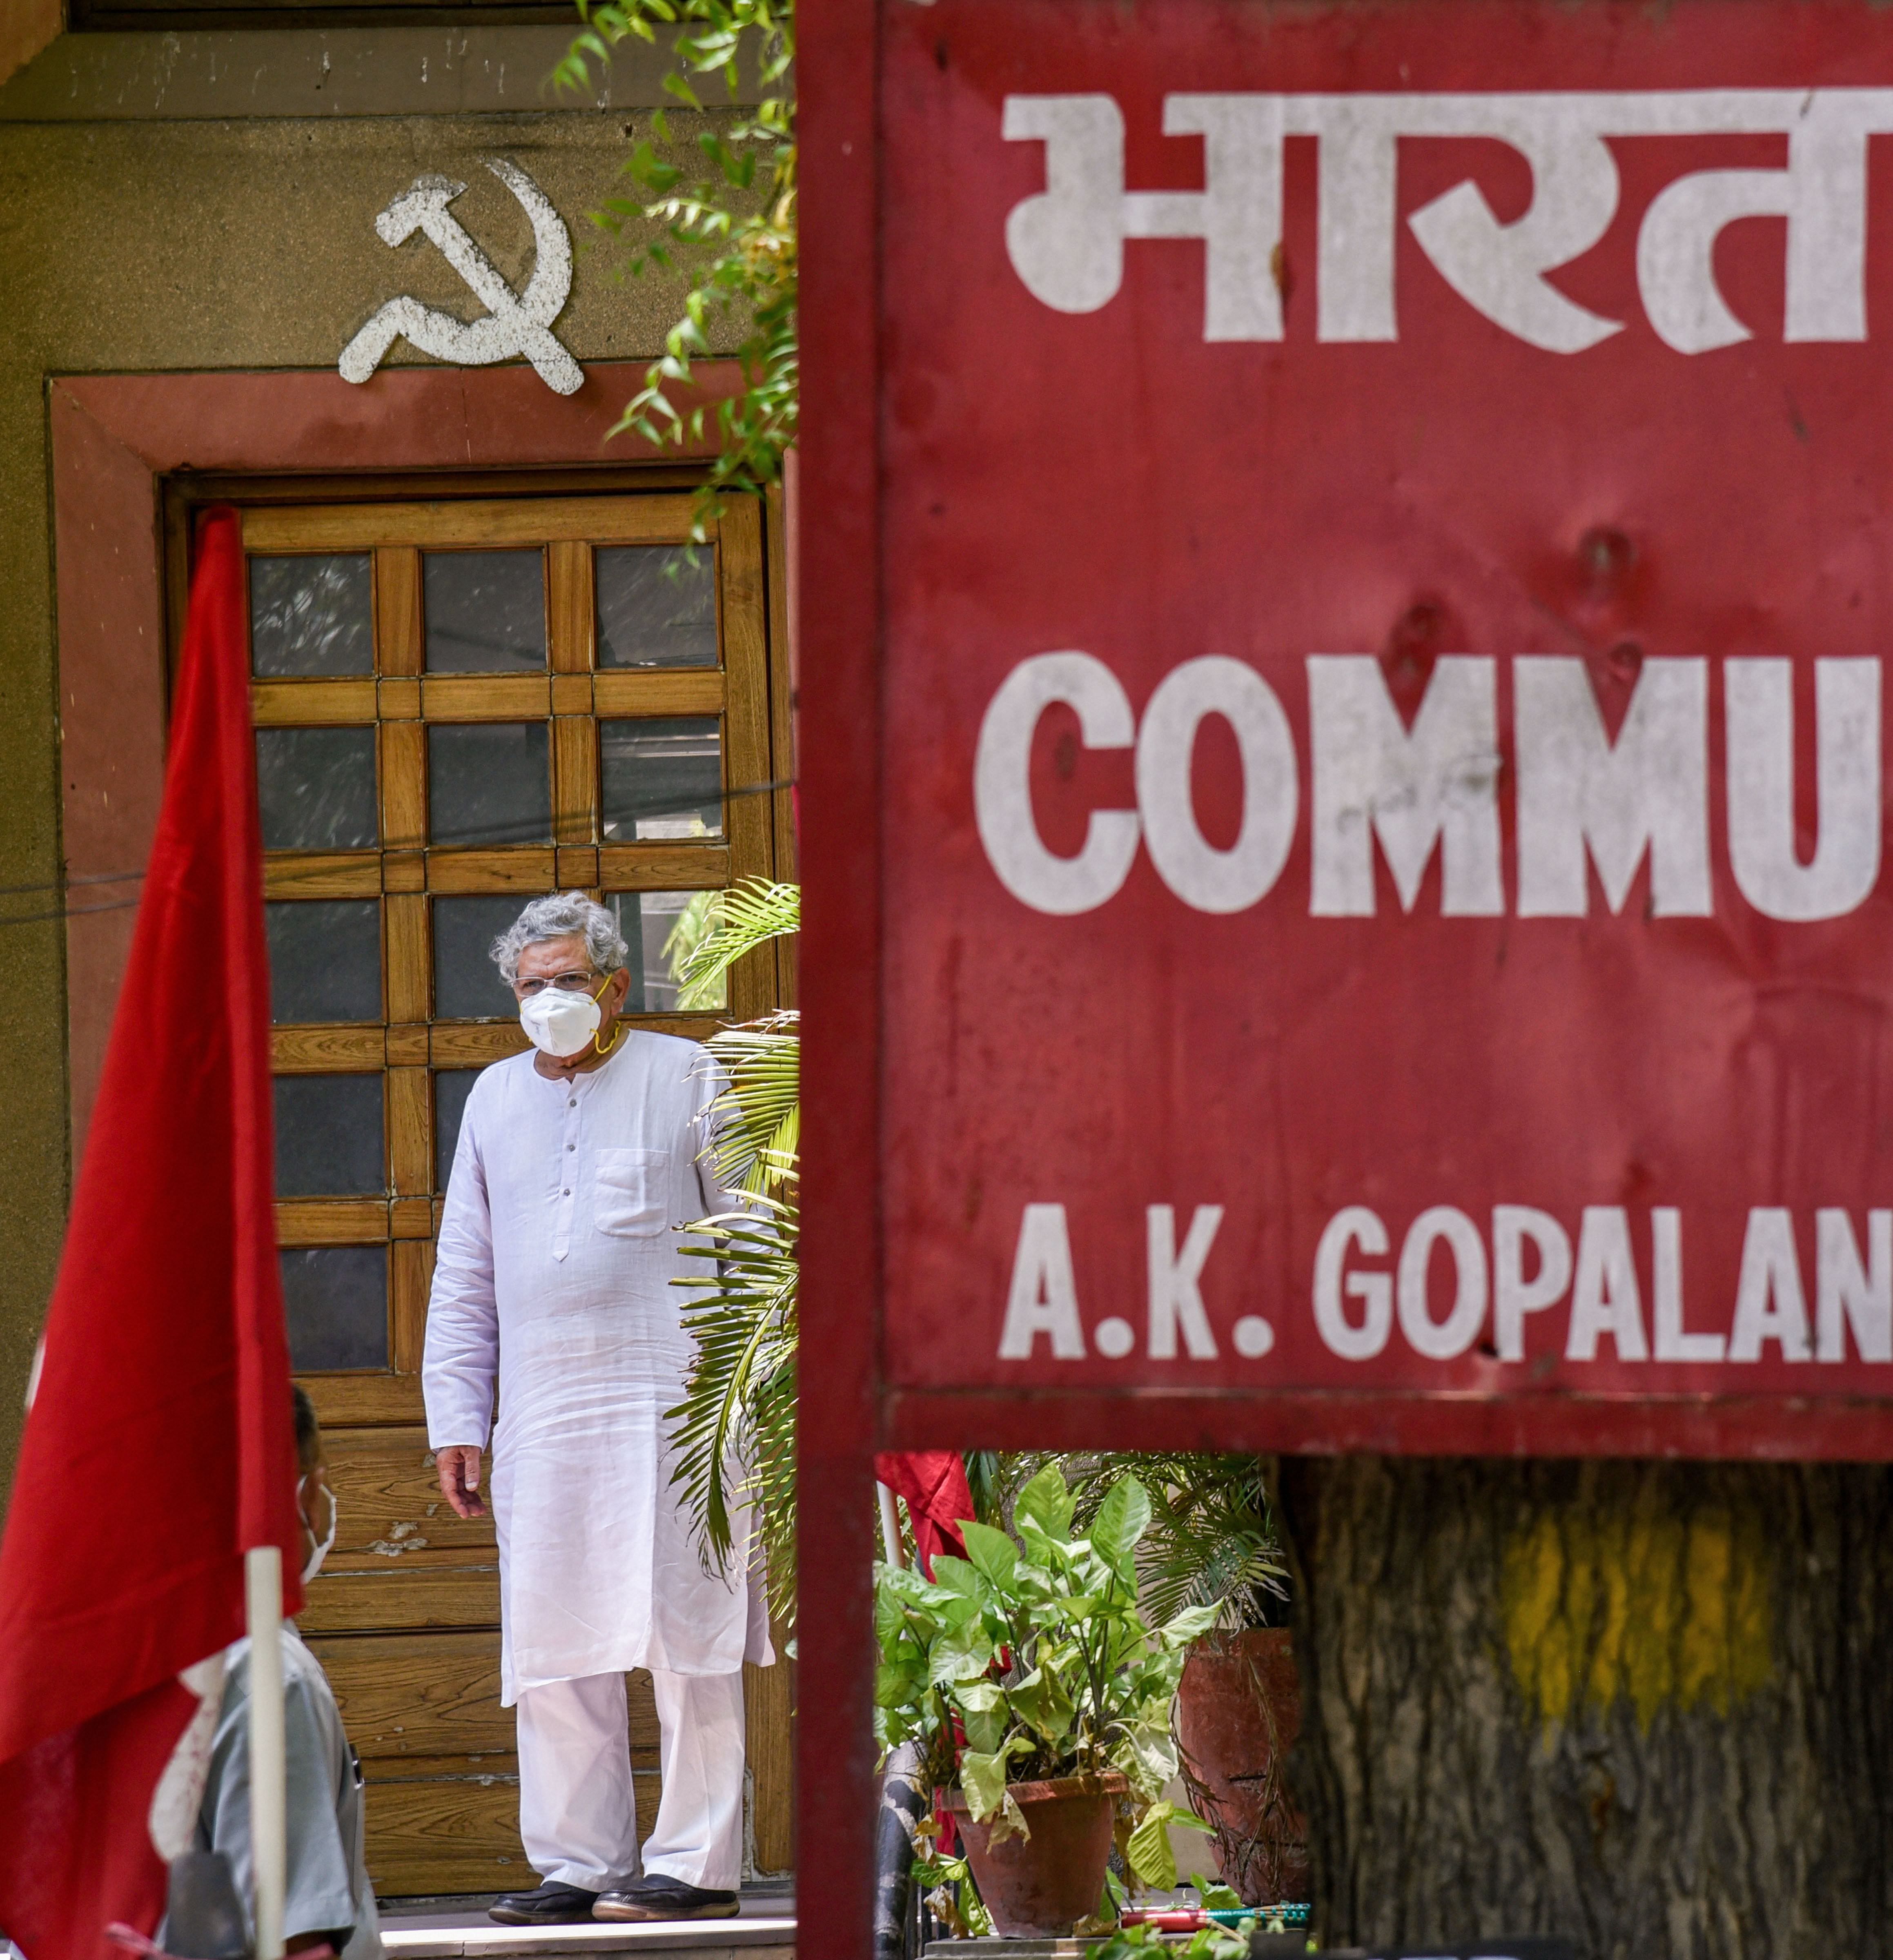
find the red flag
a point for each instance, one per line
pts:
(160, 1445)
(933, 1482)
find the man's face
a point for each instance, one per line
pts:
(564, 963)
(555, 963)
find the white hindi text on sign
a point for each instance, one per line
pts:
(1065, 243)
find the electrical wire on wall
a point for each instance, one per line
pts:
(490, 836)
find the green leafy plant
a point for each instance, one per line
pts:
(731, 924)
(1212, 1537)
(733, 1434)
(1031, 1658)
(1215, 1896)
(1149, 1851)
(730, 228)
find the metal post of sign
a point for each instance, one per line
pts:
(838, 744)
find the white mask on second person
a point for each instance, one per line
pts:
(313, 1564)
(559, 1022)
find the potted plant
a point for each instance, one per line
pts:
(1212, 1543)
(1037, 1692)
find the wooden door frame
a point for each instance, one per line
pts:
(131, 455)
(116, 439)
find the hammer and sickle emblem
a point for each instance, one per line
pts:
(513, 323)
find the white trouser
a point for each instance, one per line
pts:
(578, 1813)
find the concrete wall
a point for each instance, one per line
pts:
(205, 202)
(25, 26)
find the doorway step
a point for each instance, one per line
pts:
(458, 1928)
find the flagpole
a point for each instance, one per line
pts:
(268, 1767)
(890, 1526)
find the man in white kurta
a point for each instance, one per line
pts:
(558, 1247)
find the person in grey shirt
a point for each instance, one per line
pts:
(328, 1899)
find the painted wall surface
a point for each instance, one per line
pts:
(25, 26)
(145, 242)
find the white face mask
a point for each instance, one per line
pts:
(313, 1564)
(560, 1023)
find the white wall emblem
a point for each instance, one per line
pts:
(514, 324)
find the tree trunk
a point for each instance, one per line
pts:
(1648, 1705)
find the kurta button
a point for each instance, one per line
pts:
(571, 1146)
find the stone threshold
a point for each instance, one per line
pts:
(765, 1924)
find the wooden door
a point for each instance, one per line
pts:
(462, 703)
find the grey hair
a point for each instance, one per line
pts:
(562, 915)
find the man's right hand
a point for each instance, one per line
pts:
(458, 1467)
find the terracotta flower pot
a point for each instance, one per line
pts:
(1038, 1887)
(1238, 1711)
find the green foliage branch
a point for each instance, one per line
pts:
(729, 228)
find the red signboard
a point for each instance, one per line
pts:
(1346, 572)
(1374, 786)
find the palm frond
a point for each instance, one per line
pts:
(756, 1118)
(1211, 1541)
(701, 916)
(733, 1435)
(988, 1483)
(747, 915)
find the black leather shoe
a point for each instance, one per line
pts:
(550, 1905)
(659, 1897)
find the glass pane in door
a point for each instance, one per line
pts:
(662, 929)
(329, 1136)
(311, 617)
(324, 959)
(337, 1297)
(316, 787)
(657, 605)
(452, 1086)
(661, 778)
(466, 983)
(485, 611)
(489, 783)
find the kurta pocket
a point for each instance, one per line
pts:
(629, 1202)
